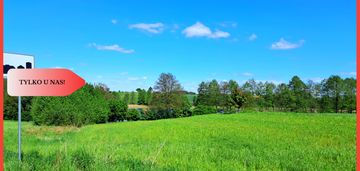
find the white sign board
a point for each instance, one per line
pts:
(17, 61)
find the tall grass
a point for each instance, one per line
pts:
(246, 141)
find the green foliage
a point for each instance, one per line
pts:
(126, 98)
(118, 110)
(201, 110)
(133, 98)
(85, 106)
(168, 99)
(133, 115)
(149, 95)
(238, 98)
(142, 100)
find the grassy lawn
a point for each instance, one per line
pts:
(245, 141)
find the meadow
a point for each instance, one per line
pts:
(244, 141)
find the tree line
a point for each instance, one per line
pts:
(331, 95)
(95, 103)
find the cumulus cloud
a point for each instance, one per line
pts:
(114, 47)
(282, 44)
(253, 37)
(200, 30)
(154, 28)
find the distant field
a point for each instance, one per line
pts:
(135, 106)
(245, 141)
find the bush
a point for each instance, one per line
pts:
(85, 106)
(201, 109)
(229, 111)
(147, 114)
(133, 115)
(118, 110)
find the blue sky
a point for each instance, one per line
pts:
(127, 44)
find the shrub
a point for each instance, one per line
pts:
(118, 110)
(133, 115)
(229, 111)
(201, 109)
(85, 106)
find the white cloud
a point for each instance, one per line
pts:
(114, 47)
(200, 30)
(247, 74)
(282, 44)
(253, 37)
(114, 21)
(154, 28)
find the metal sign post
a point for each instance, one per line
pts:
(19, 126)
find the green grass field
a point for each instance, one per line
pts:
(245, 141)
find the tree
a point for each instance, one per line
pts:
(333, 89)
(203, 94)
(141, 96)
(238, 98)
(250, 86)
(349, 101)
(299, 95)
(313, 89)
(118, 110)
(126, 98)
(269, 96)
(168, 99)
(149, 95)
(233, 85)
(225, 98)
(214, 94)
(167, 84)
(132, 98)
(85, 106)
(283, 97)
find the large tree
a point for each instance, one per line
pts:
(349, 101)
(238, 98)
(141, 96)
(299, 95)
(203, 94)
(333, 89)
(214, 93)
(168, 98)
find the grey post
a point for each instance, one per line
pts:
(19, 126)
